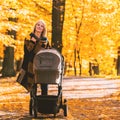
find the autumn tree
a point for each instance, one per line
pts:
(18, 18)
(90, 30)
(58, 10)
(8, 61)
(99, 33)
(78, 24)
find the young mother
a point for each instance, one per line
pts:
(37, 40)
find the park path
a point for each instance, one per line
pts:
(83, 96)
(89, 87)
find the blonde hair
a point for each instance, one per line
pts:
(44, 33)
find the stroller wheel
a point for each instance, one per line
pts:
(35, 108)
(54, 115)
(55, 111)
(65, 110)
(65, 107)
(30, 107)
(35, 113)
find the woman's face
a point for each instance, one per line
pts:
(39, 27)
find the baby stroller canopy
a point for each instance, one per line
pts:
(47, 66)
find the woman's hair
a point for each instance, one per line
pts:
(44, 33)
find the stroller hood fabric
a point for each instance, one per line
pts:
(48, 66)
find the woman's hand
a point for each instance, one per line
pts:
(33, 39)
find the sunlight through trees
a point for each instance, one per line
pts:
(90, 27)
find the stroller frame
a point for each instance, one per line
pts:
(48, 104)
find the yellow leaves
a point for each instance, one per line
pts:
(102, 6)
(100, 22)
(19, 49)
(6, 39)
(27, 12)
(99, 19)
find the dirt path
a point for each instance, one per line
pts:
(88, 99)
(89, 87)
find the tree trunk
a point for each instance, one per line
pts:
(8, 63)
(118, 65)
(58, 10)
(118, 62)
(75, 62)
(90, 68)
(78, 54)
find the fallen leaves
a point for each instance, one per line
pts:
(15, 100)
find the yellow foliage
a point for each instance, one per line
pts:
(27, 12)
(98, 35)
(92, 25)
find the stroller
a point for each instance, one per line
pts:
(48, 67)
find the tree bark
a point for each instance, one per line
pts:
(8, 63)
(58, 10)
(118, 62)
(75, 62)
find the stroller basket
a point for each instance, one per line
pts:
(48, 104)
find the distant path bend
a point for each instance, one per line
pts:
(89, 87)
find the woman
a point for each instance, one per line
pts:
(37, 41)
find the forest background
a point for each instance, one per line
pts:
(90, 34)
